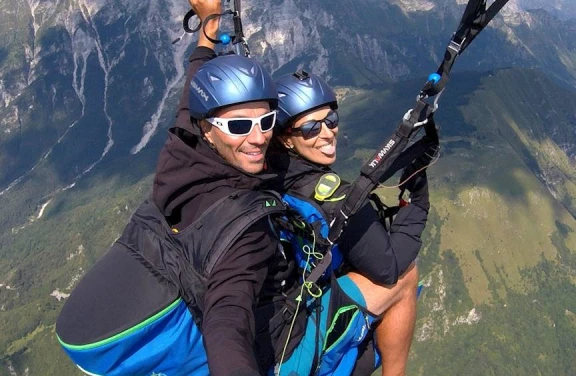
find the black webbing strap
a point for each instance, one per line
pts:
(385, 213)
(186, 22)
(322, 266)
(378, 166)
(427, 145)
(475, 18)
(241, 42)
(238, 29)
(371, 175)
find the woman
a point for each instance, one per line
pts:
(382, 262)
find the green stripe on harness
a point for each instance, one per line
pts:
(124, 333)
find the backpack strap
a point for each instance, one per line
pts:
(386, 213)
(239, 211)
(208, 239)
(186, 258)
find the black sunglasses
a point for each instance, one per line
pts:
(313, 128)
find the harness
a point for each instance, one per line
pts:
(312, 206)
(166, 338)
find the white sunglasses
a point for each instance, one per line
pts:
(243, 126)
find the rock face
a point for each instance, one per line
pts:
(563, 9)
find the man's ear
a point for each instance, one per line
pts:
(206, 130)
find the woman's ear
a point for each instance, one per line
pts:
(286, 141)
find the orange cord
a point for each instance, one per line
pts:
(410, 177)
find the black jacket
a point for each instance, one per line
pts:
(378, 255)
(245, 289)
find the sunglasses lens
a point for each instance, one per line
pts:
(267, 122)
(240, 126)
(311, 129)
(332, 120)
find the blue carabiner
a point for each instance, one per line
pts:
(225, 39)
(434, 78)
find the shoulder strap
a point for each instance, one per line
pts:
(233, 217)
(208, 238)
(214, 234)
(187, 258)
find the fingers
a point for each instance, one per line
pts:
(204, 8)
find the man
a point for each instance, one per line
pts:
(216, 157)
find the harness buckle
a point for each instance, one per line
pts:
(408, 117)
(245, 46)
(456, 46)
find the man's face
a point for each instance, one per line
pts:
(244, 152)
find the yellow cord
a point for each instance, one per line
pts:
(335, 199)
(306, 285)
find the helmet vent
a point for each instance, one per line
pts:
(248, 71)
(214, 78)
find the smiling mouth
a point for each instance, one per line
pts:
(254, 155)
(328, 149)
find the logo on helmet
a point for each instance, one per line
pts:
(200, 91)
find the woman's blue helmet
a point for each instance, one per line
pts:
(228, 80)
(299, 93)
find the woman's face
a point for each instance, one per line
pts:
(313, 136)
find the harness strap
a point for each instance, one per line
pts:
(475, 18)
(379, 166)
(385, 213)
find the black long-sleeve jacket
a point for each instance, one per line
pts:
(245, 289)
(379, 255)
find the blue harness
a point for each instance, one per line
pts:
(305, 249)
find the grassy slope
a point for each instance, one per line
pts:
(52, 253)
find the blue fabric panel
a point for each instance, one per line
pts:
(310, 214)
(171, 345)
(341, 357)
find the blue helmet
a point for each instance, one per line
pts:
(299, 93)
(228, 80)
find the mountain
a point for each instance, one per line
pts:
(563, 9)
(89, 88)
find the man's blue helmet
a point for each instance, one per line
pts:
(228, 80)
(299, 93)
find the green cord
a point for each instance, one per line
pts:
(306, 285)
